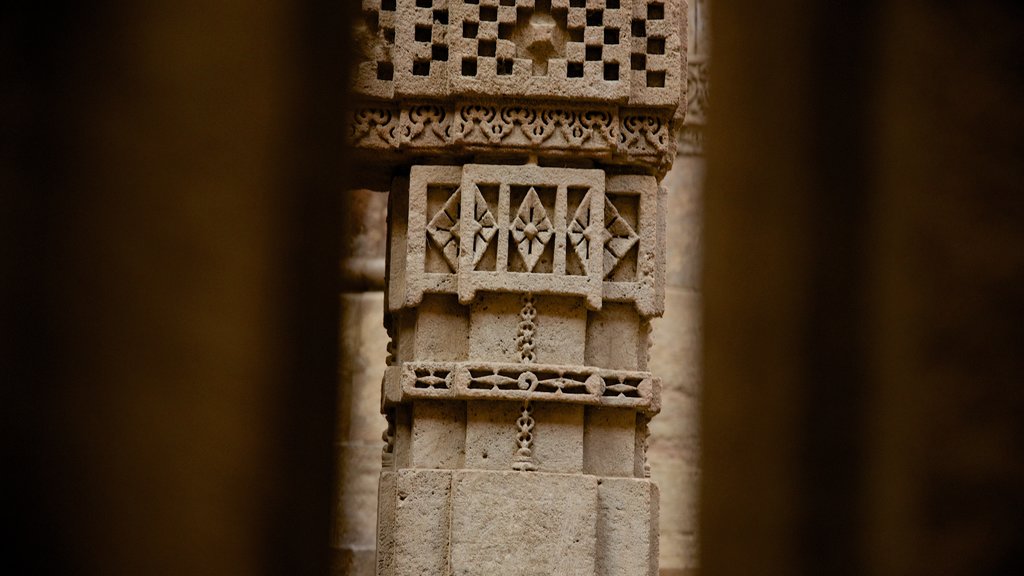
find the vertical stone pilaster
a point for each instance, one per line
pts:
(525, 140)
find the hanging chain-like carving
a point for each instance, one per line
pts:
(523, 460)
(527, 328)
(645, 432)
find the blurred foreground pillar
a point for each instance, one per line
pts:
(177, 169)
(864, 259)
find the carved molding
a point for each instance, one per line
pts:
(637, 390)
(619, 135)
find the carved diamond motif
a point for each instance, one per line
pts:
(444, 229)
(582, 234)
(531, 229)
(620, 237)
(482, 227)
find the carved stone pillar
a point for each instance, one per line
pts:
(524, 141)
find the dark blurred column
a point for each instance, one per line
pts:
(864, 236)
(178, 169)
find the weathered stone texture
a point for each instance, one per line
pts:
(357, 438)
(526, 261)
(421, 522)
(520, 317)
(628, 511)
(518, 524)
(675, 439)
(602, 79)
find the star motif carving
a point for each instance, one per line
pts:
(583, 234)
(531, 230)
(619, 238)
(540, 38)
(483, 226)
(444, 229)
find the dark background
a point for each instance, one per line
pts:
(173, 179)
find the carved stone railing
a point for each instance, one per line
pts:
(526, 259)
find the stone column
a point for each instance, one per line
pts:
(675, 353)
(524, 141)
(363, 343)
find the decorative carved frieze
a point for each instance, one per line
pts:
(608, 133)
(606, 79)
(517, 382)
(697, 91)
(691, 134)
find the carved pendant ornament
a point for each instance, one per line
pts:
(525, 140)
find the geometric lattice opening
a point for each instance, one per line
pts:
(639, 28)
(611, 71)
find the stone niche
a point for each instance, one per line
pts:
(523, 142)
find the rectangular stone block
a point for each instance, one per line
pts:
(679, 481)
(614, 338)
(386, 494)
(491, 434)
(558, 437)
(403, 436)
(397, 244)
(421, 522)
(523, 524)
(627, 527)
(438, 434)
(559, 336)
(442, 329)
(609, 442)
